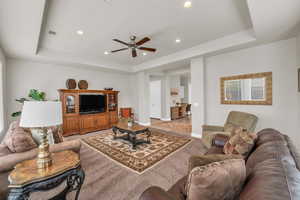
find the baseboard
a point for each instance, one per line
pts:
(165, 119)
(197, 135)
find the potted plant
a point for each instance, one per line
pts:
(34, 95)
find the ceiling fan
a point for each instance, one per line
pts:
(134, 46)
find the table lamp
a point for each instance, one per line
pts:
(41, 115)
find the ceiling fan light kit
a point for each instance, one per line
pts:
(134, 46)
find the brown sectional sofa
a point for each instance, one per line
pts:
(272, 172)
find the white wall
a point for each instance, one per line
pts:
(198, 95)
(298, 50)
(175, 83)
(155, 99)
(142, 94)
(25, 75)
(165, 98)
(184, 82)
(279, 58)
(3, 123)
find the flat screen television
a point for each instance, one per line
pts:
(92, 103)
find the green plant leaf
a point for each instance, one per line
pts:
(37, 95)
(16, 114)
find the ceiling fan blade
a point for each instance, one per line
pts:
(143, 41)
(116, 40)
(147, 49)
(134, 54)
(119, 50)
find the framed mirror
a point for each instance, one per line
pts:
(249, 89)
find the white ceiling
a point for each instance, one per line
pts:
(209, 26)
(162, 21)
(20, 24)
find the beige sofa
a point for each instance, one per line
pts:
(235, 119)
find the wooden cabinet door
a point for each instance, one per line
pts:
(113, 117)
(102, 121)
(87, 123)
(70, 102)
(71, 126)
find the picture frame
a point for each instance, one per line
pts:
(268, 89)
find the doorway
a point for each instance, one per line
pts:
(155, 99)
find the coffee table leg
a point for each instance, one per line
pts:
(148, 136)
(115, 132)
(134, 142)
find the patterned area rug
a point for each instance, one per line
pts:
(145, 155)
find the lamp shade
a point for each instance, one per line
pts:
(38, 114)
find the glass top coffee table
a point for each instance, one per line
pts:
(129, 133)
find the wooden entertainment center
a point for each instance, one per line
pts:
(75, 122)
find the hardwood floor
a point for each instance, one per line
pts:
(181, 126)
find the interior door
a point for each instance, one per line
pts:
(155, 99)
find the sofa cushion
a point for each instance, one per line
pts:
(245, 120)
(270, 150)
(268, 135)
(216, 181)
(241, 143)
(272, 179)
(294, 152)
(18, 139)
(4, 150)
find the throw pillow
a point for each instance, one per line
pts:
(18, 139)
(241, 143)
(57, 134)
(233, 129)
(197, 161)
(217, 181)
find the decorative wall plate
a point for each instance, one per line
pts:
(71, 84)
(83, 85)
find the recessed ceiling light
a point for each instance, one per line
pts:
(79, 32)
(144, 53)
(177, 40)
(106, 52)
(188, 4)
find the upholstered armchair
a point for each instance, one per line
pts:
(235, 119)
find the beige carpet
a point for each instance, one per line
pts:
(144, 156)
(107, 180)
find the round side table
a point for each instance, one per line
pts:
(27, 178)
